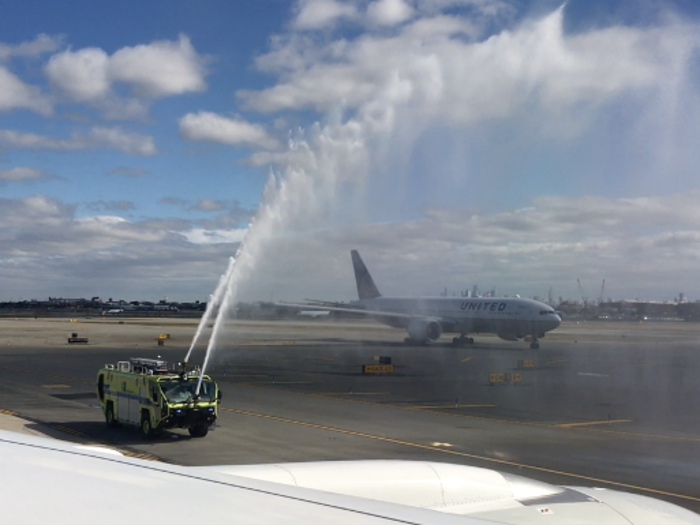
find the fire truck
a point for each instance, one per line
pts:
(146, 393)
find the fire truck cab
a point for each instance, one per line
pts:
(146, 393)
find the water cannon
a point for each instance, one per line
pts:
(183, 370)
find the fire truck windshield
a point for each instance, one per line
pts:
(177, 391)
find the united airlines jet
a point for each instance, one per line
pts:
(425, 319)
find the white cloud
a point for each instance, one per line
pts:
(121, 205)
(15, 94)
(96, 138)
(201, 236)
(206, 126)
(389, 12)
(430, 67)
(23, 174)
(644, 247)
(160, 69)
(125, 171)
(151, 71)
(484, 7)
(320, 14)
(104, 254)
(427, 116)
(42, 44)
(209, 205)
(82, 75)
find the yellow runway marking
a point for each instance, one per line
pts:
(592, 423)
(245, 375)
(269, 383)
(357, 393)
(138, 455)
(67, 430)
(55, 386)
(350, 399)
(557, 361)
(466, 359)
(458, 453)
(419, 407)
(7, 412)
(266, 343)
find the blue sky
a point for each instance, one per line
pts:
(455, 142)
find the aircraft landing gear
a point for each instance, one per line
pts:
(462, 340)
(535, 345)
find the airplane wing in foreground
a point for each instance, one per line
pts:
(46, 480)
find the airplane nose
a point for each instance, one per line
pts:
(556, 321)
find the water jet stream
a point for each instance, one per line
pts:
(214, 301)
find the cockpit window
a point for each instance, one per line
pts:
(545, 312)
(183, 391)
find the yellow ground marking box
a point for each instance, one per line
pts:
(526, 363)
(497, 378)
(500, 377)
(163, 336)
(377, 369)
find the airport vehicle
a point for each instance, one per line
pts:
(78, 482)
(145, 392)
(427, 318)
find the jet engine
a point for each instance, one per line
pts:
(510, 337)
(424, 330)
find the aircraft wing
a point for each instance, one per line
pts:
(47, 479)
(363, 311)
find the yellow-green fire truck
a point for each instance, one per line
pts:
(146, 393)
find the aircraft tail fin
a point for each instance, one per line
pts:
(366, 289)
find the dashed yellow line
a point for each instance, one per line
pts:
(386, 405)
(466, 359)
(266, 343)
(139, 455)
(246, 375)
(254, 383)
(351, 393)
(351, 399)
(277, 383)
(592, 423)
(434, 448)
(55, 386)
(67, 430)
(418, 407)
(8, 412)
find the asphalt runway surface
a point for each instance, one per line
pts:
(599, 404)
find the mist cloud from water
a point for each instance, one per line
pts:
(523, 160)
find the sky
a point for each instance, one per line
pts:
(509, 144)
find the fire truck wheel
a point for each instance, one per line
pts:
(199, 431)
(109, 416)
(146, 428)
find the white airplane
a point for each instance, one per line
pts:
(427, 318)
(51, 481)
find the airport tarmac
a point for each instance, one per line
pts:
(599, 404)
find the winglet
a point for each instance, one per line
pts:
(366, 289)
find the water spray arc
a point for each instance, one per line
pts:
(212, 305)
